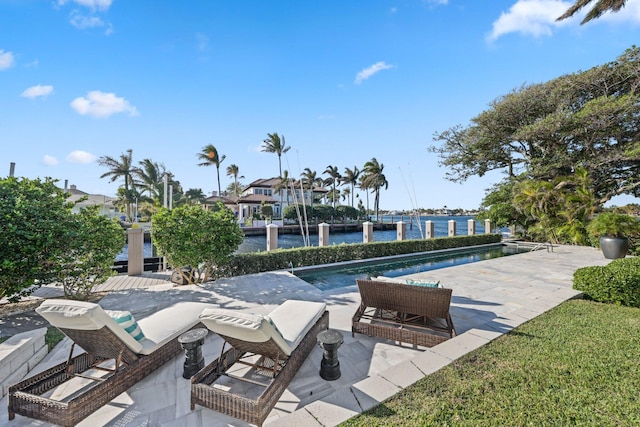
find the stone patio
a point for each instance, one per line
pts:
(489, 299)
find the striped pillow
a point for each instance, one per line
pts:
(430, 284)
(127, 322)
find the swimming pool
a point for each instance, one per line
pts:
(329, 278)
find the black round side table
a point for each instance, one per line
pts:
(330, 340)
(191, 342)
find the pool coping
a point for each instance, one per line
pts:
(367, 261)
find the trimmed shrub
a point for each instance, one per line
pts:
(282, 259)
(616, 283)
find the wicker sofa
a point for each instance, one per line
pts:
(265, 354)
(113, 360)
(410, 313)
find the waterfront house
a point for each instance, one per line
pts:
(271, 192)
(82, 200)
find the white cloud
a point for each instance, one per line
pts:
(92, 4)
(368, 72)
(49, 160)
(35, 91)
(79, 156)
(437, 2)
(393, 9)
(81, 22)
(530, 17)
(6, 60)
(101, 104)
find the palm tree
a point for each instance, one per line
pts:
(334, 178)
(350, 177)
(600, 7)
(274, 144)
(284, 184)
(124, 169)
(234, 171)
(346, 193)
(210, 156)
(374, 179)
(150, 176)
(309, 180)
(194, 196)
(365, 186)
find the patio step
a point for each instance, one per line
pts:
(18, 355)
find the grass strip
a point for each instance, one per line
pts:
(578, 364)
(53, 337)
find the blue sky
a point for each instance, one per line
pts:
(343, 81)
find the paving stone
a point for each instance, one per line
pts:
(490, 298)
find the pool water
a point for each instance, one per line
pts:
(338, 277)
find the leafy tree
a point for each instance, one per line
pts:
(291, 212)
(545, 131)
(556, 211)
(121, 169)
(323, 212)
(31, 238)
(189, 236)
(95, 242)
(497, 206)
(374, 179)
(42, 242)
(234, 171)
(347, 212)
(266, 211)
(599, 8)
(209, 156)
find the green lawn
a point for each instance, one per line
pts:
(578, 364)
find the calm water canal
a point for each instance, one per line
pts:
(286, 241)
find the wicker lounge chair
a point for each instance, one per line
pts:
(414, 314)
(266, 352)
(113, 360)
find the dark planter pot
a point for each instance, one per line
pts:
(614, 247)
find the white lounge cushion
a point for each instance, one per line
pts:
(286, 325)
(232, 323)
(85, 316)
(294, 318)
(164, 325)
(158, 328)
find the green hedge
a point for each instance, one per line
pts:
(280, 259)
(616, 283)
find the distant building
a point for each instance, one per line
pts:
(82, 200)
(266, 191)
